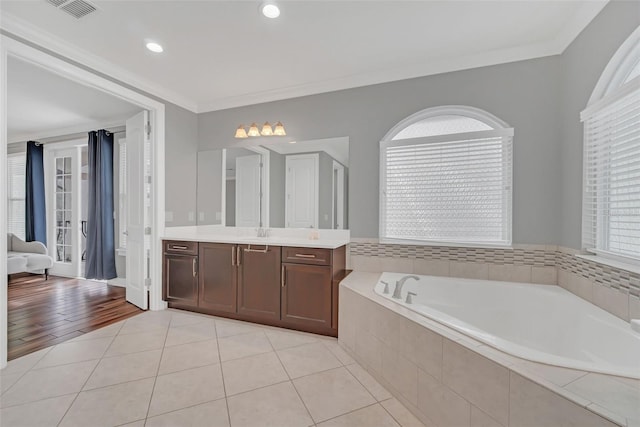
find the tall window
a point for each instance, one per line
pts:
(16, 165)
(611, 198)
(446, 176)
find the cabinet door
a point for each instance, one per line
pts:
(306, 295)
(181, 279)
(218, 277)
(259, 281)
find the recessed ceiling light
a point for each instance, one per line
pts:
(154, 47)
(270, 10)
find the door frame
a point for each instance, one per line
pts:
(10, 47)
(287, 186)
(337, 194)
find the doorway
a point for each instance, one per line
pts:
(152, 284)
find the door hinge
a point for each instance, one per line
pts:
(147, 129)
(147, 283)
(148, 179)
(147, 231)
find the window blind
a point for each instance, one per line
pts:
(611, 200)
(16, 165)
(450, 188)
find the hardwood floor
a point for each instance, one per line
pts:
(43, 313)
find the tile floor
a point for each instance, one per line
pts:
(174, 368)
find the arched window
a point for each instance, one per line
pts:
(446, 178)
(611, 197)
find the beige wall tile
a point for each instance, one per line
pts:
(401, 414)
(510, 273)
(533, 405)
(563, 278)
(583, 287)
(476, 378)
(612, 300)
(544, 275)
(441, 405)
(369, 350)
(469, 270)
(422, 347)
(431, 267)
(365, 263)
(402, 374)
(396, 265)
(634, 307)
(480, 419)
(387, 326)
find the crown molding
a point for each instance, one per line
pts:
(16, 27)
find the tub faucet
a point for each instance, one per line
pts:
(409, 300)
(400, 283)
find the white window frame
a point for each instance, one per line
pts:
(611, 88)
(499, 129)
(11, 200)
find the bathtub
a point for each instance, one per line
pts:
(541, 323)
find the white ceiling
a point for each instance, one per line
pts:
(221, 54)
(42, 104)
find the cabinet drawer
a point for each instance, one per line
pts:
(306, 256)
(179, 247)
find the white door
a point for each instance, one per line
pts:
(302, 191)
(137, 137)
(338, 196)
(248, 194)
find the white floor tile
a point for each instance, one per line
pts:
(370, 383)
(187, 356)
(401, 414)
(275, 406)
(7, 381)
(186, 388)
(105, 332)
(252, 372)
(46, 412)
(200, 331)
(332, 393)
(371, 416)
(308, 359)
(281, 339)
(228, 328)
(77, 351)
(24, 363)
(48, 382)
(211, 414)
(134, 343)
(110, 406)
(120, 369)
(237, 346)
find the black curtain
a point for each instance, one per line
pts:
(100, 263)
(35, 210)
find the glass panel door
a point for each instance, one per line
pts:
(64, 209)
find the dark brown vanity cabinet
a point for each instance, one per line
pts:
(290, 287)
(309, 292)
(259, 281)
(180, 273)
(218, 277)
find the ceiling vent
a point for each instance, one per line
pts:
(76, 8)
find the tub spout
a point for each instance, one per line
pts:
(409, 300)
(400, 284)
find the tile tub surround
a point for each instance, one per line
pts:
(448, 379)
(195, 370)
(612, 289)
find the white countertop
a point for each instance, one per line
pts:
(327, 239)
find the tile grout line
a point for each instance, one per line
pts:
(86, 381)
(224, 386)
(155, 379)
(25, 372)
(291, 380)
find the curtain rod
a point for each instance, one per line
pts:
(62, 138)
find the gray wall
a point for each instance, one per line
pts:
(525, 94)
(582, 64)
(276, 189)
(181, 143)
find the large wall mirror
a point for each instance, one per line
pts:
(281, 184)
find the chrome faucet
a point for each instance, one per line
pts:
(400, 283)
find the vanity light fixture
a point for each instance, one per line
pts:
(267, 130)
(253, 130)
(241, 133)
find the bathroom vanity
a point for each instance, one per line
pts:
(284, 281)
